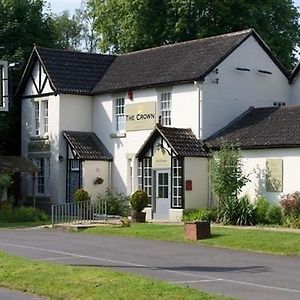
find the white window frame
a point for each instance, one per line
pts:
(165, 108)
(119, 114)
(42, 182)
(41, 117)
(4, 93)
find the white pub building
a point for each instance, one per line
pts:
(147, 119)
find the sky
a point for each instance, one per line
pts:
(59, 5)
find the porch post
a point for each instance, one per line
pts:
(33, 188)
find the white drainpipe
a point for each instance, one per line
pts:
(198, 84)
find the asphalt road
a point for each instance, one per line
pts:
(233, 273)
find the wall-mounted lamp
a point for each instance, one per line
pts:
(60, 158)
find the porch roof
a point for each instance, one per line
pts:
(17, 164)
(181, 140)
(87, 145)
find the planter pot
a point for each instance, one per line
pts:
(138, 217)
(196, 230)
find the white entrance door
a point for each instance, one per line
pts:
(163, 193)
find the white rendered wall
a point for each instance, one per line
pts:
(254, 164)
(237, 90)
(65, 112)
(196, 169)
(295, 90)
(184, 115)
(92, 170)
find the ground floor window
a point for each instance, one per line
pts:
(177, 183)
(43, 175)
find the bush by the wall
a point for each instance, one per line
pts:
(116, 203)
(274, 216)
(262, 206)
(10, 214)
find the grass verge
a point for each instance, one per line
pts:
(22, 224)
(68, 282)
(257, 240)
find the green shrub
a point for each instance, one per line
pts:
(139, 200)
(21, 214)
(229, 211)
(291, 222)
(262, 206)
(201, 214)
(81, 196)
(116, 204)
(274, 215)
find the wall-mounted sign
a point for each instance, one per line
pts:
(140, 116)
(274, 175)
(161, 159)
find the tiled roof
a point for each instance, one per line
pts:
(177, 63)
(70, 72)
(87, 145)
(181, 140)
(266, 127)
(17, 164)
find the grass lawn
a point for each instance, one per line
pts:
(68, 282)
(258, 240)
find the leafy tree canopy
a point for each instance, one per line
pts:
(128, 25)
(23, 23)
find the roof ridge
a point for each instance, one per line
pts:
(73, 51)
(250, 30)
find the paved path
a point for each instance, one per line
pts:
(6, 294)
(234, 273)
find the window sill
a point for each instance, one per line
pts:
(118, 135)
(39, 138)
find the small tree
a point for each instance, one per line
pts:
(227, 176)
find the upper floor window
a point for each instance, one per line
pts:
(41, 117)
(120, 114)
(165, 108)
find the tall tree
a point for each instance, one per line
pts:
(67, 31)
(127, 25)
(22, 23)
